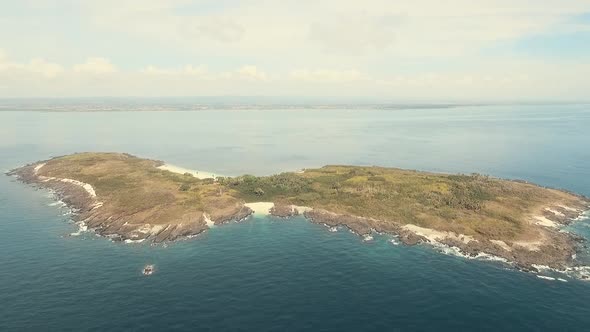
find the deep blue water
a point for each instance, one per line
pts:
(268, 274)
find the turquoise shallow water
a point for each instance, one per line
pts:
(271, 274)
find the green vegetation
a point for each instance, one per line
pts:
(474, 205)
(252, 188)
(136, 200)
(467, 204)
(132, 186)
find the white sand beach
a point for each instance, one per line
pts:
(261, 208)
(195, 173)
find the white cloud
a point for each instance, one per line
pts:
(250, 73)
(311, 28)
(218, 29)
(500, 79)
(328, 75)
(195, 70)
(200, 71)
(37, 66)
(95, 66)
(163, 21)
(355, 34)
(247, 72)
(45, 68)
(389, 49)
(153, 70)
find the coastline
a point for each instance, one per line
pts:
(555, 249)
(181, 170)
(87, 211)
(525, 256)
(557, 253)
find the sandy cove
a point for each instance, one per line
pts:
(180, 170)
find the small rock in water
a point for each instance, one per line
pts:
(148, 270)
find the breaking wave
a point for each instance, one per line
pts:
(81, 229)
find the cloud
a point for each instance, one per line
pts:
(195, 70)
(425, 28)
(500, 79)
(247, 72)
(186, 70)
(356, 33)
(95, 66)
(388, 49)
(45, 68)
(37, 67)
(411, 28)
(250, 73)
(328, 75)
(153, 70)
(220, 29)
(163, 21)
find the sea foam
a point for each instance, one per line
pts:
(81, 229)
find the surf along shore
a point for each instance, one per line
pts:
(133, 199)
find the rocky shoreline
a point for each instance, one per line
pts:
(181, 206)
(86, 211)
(558, 252)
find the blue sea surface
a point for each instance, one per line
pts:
(267, 274)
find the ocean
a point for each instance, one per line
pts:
(268, 274)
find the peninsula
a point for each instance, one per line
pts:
(135, 199)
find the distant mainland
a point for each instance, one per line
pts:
(134, 199)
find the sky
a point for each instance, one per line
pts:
(386, 50)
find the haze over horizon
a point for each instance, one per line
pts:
(421, 50)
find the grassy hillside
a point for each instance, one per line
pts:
(135, 189)
(135, 192)
(468, 204)
(136, 200)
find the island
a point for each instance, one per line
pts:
(134, 199)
